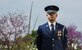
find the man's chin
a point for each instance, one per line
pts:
(52, 21)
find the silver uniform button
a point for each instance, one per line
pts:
(53, 45)
(52, 38)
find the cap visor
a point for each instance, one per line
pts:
(51, 11)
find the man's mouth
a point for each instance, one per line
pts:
(51, 18)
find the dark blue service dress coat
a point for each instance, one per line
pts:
(48, 41)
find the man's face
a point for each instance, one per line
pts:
(52, 17)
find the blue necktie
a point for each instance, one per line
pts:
(52, 29)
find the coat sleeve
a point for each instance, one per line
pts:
(39, 38)
(64, 41)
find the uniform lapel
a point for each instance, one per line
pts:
(56, 27)
(47, 28)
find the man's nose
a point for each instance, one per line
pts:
(51, 15)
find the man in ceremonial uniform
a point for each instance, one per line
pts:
(51, 35)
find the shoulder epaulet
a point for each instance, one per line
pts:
(63, 32)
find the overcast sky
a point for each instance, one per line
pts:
(70, 10)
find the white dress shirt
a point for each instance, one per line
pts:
(51, 26)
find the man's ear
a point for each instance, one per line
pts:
(46, 14)
(56, 15)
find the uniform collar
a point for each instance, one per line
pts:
(51, 23)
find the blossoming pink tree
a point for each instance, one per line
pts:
(12, 26)
(74, 36)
